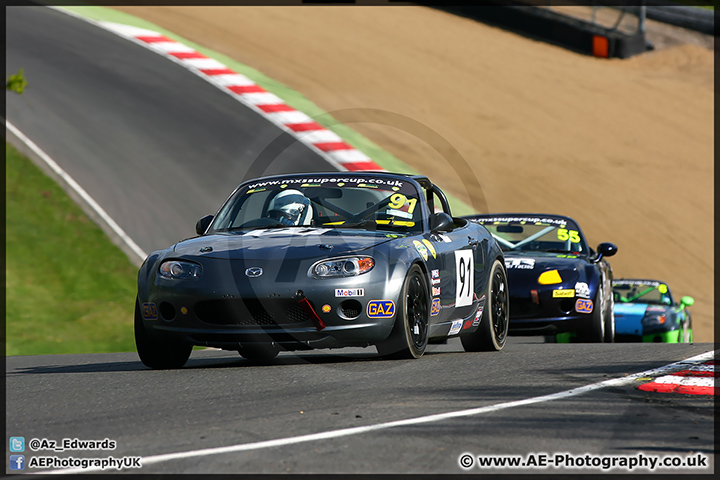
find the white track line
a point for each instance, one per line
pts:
(80, 191)
(152, 459)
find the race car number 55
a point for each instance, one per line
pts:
(465, 284)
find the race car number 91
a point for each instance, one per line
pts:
(465, 284)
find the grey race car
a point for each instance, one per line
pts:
(324, 260)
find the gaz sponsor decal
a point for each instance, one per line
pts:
(584, 305)
(435, 307)
(520, 263)
(456, 326)
(430, 247)
(465, 278)
(564, 293)
(422, 249)
(349, 292)
(582, 289)
(380, 309)
(149, 311)
(435, 291)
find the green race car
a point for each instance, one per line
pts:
(645, 311)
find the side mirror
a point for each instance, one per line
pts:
(441, 222)
(606, 249)
(203, 224)
(687, 301)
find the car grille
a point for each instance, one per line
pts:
(524, 308)
(250, 312)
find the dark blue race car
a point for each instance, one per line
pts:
(558, 284)
(645, 311)
(324, 260)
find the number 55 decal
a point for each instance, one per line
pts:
(563, 234)
(465, 284)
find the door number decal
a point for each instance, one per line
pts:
(465, 280)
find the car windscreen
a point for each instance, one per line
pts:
(345, 203)
(639, 291)
(520, 234)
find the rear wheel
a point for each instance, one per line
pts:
(492, 334)
(409, 336)
(158, 353)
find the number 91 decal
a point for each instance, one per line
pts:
(465, 279)
(398, 201)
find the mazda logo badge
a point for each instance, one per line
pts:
(254, 272)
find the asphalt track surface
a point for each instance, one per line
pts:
(155, 145)
(220, 399)
(158, 147)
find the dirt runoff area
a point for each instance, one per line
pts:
(623, 146)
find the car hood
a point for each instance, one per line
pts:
(529, 265)
(628, 316)
(280, 243)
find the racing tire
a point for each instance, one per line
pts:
(259, 352)
(609, 319)
(156, 353)
(493, 331)
(594, 331)
(409, 336)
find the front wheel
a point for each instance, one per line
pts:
(594, 331)
(157, 353)
(609, 318)
(409, 336)
(492, 334)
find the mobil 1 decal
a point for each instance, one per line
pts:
(465, 284)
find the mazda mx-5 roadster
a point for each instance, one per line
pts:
(324, 260)
(559, 286)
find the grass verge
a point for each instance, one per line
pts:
(69, 289)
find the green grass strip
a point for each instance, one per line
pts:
(293, 98)
(69, 288)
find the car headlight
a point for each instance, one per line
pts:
(653, 320)
(550, 277)
(176, 269)
(342, 267)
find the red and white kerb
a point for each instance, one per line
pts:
(325, 142)
(698, 380)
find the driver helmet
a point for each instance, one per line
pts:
(291, 207)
